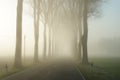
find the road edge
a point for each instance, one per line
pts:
(80, 72)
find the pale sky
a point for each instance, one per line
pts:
(107, 25)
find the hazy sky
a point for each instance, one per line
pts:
(107, 26)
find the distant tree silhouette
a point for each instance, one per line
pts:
(49, 8)
(75, 12)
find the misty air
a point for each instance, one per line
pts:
(59, 40)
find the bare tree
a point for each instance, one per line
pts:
(85, 35)
(90, 8)
(36, 28)
(18, 50)
(80, 11)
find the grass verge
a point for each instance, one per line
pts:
(11, 72)
(95, 73)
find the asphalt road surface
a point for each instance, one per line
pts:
(50, 71)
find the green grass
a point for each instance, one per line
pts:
(9, 62)
(94, 74)
(104, 69)
(12, 71)
(111, 65)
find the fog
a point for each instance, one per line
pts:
(59, 39)
(103, 40)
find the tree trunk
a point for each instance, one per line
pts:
(18, 51)
(80, 40)
(85, 35)
(79, 28)
(45, 47)
(79, 44)
(51, 41)
(50, 34)
(36, 29)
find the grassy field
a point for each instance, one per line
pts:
(103, 69)
(11, 70)
(111, 65)
(6, 72)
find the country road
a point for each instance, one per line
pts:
(51, 71)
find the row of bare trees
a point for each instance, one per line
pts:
(51, 13)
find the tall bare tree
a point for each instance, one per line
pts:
(90, 8)
(85, 35)
(36, 29)
(18, 50)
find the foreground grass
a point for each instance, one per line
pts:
(95, 73)
(111, 65)
(103, 69)
(27, 64)
(10, 72)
